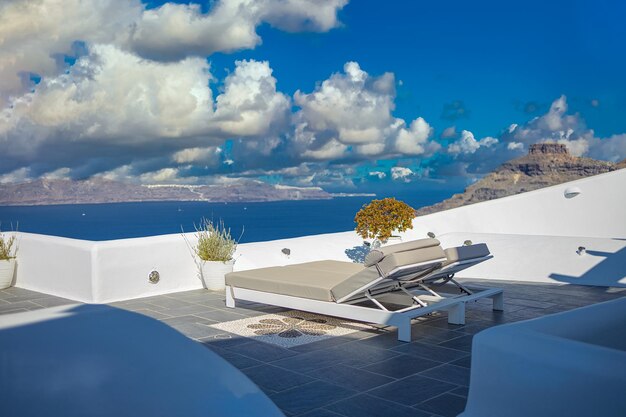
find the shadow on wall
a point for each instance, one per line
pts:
(609, 272)
(357, 254)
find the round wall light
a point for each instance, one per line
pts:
(154, 277)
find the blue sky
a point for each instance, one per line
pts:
(360, 95)
(496, 57)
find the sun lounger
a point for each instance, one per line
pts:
(395, 284)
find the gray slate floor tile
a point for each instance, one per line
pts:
(350, 377)
(309, 396)
(275, 379)
(367, 406)
(401, 366)
(412, 390)
(446, 405)
(262, 351)
(235, 359)
(460, 343)
(431, 352)
(453, 374)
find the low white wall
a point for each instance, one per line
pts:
(121, 267)
(547, 259)
(55, 265)
(102, 272)
(598, 211)
(533, 237)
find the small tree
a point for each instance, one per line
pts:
(379, 218)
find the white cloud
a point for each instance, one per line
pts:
(378, 174)
(19, 175)
(353, 110)
(558, 126)
(515, 146)
(414, 140)
(97, 117)
(250, 104)
(467, 144)
(35, 36)
(401, 174)
(205, 155)
(174, 31)
(332, 149)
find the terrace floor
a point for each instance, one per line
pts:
(366, 373)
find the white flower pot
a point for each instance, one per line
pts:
(7, 269)
(213, 273)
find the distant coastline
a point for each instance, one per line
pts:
(45, 192)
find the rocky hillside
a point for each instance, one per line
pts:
(47, 191)
(546, 164)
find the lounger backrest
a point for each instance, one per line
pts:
(465, 253)
(392, 258)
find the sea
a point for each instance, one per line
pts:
(248, 222)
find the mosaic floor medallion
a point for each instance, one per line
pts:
(290, 328)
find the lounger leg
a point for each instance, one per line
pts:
(498, 302)
(404, 331)
(456, 314)
(230, 300)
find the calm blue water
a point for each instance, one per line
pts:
(260, 221)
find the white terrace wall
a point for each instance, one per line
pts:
(99, 272)
(116, 270)
(598, 211)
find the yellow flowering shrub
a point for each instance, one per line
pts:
(379, 218)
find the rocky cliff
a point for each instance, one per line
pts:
(546, 164)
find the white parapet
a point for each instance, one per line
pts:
(534, 236)
(101, 272)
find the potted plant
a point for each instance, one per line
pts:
(215, 249)
(380, 218)
(8, 252)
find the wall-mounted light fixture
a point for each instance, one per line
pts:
(581, 250)
(467, 243)
(430, 235)
(286, 251)
(571, 192)
(154, 276)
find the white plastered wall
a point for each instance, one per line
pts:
(534, 237)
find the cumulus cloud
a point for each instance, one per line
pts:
(467, 144)
(414, 141)
(401, 174)
(37, 37)
(556, 125)
(90, 116)
(351, 112)
(250, 104)
(207, 155)
(175, 31)
(515, 146)
(378, 174)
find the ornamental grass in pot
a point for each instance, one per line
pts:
(8, 253)
(215, 248)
